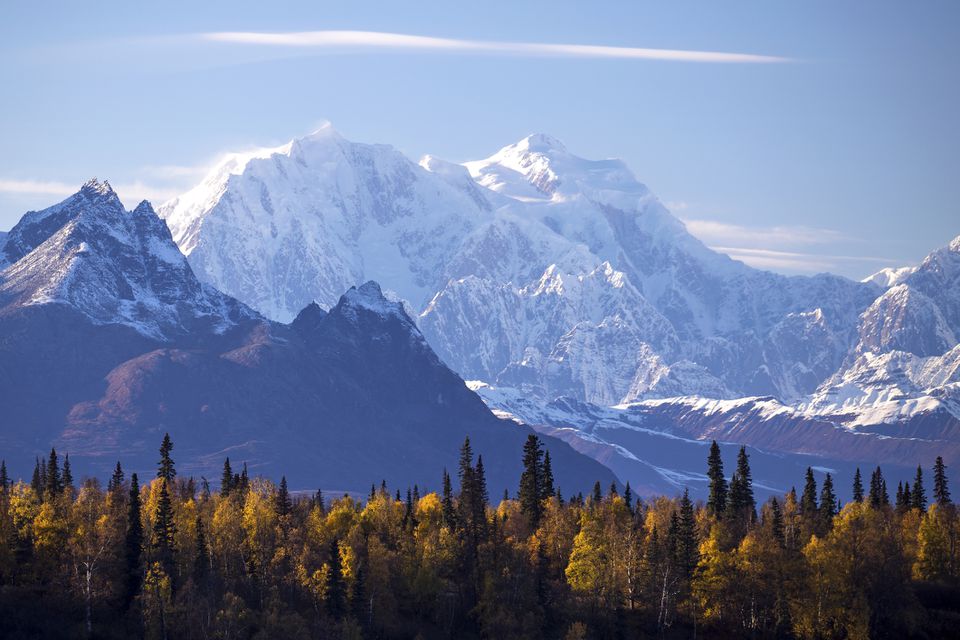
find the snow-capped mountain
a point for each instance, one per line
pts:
(533, 267)
(111, 265)
(109, 340)
(557, 279)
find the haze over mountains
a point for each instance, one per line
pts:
(545, 276)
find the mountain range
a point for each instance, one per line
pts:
(565, 293)
(108, 340)
(565, 290)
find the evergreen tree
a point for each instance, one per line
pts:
(133, 543)
(201, 561)
(919, 496)
(359, 607)
(318, 501)
(244, 483)
(115, 485)
(878, 490)
(907, 498)
(165, 468)
(628, 497)
(226, 479)
(448, 510)
(776, 523)
(283, 504)
(687, 547)
(409, 522)
(857, 487)
(54, 481)
(35, 482)
(480, 477)
(808, 501)
(741, 503)
(901, 504)
(67, 473)
(597, 497)
(717, 502)
(4, 478)
(336, 587)
(164, 531)
(531, 482)
(941, 492)
(547, 488)
(828, 504)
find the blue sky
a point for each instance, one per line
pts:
(843, 157)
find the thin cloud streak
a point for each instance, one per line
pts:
(798, 262)
(714, 232)
(382, 40)
(131, 192)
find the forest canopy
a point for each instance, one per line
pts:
(169, 557)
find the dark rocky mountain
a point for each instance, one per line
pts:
(108, 340)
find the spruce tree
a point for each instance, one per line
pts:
(941, 491)
(54, 481)
(687, 547)
(226, 479)
(133, 543)
(115, 485)
(857, 487)
(900, 503)
(283, 504)
(828, 504)
(201, 561)
(547, 488)
(165, 468)
(597, 497)
(776, 523)
(741, 503)
(907, 499)
(359, 607)
(164, 531)
(447, 508)
(4, 478)
(67, 473)
(35, 482)
(919, 496)
(336, 588)
(480, 477)
(318, 501)
(808, 501)
(717, 501)
(628, 497)
(878, 490)
(531, 482)
(244, 483)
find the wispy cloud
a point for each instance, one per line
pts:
(786, 248)
(129, 192)
(36, 187)
(361, 40)
(798, 262)
(715, 232)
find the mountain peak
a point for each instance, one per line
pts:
(955, 245)
(541, 143)
(93, 188)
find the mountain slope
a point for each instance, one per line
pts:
(563, 275)
(334, 399)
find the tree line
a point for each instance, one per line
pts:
(167, 557)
